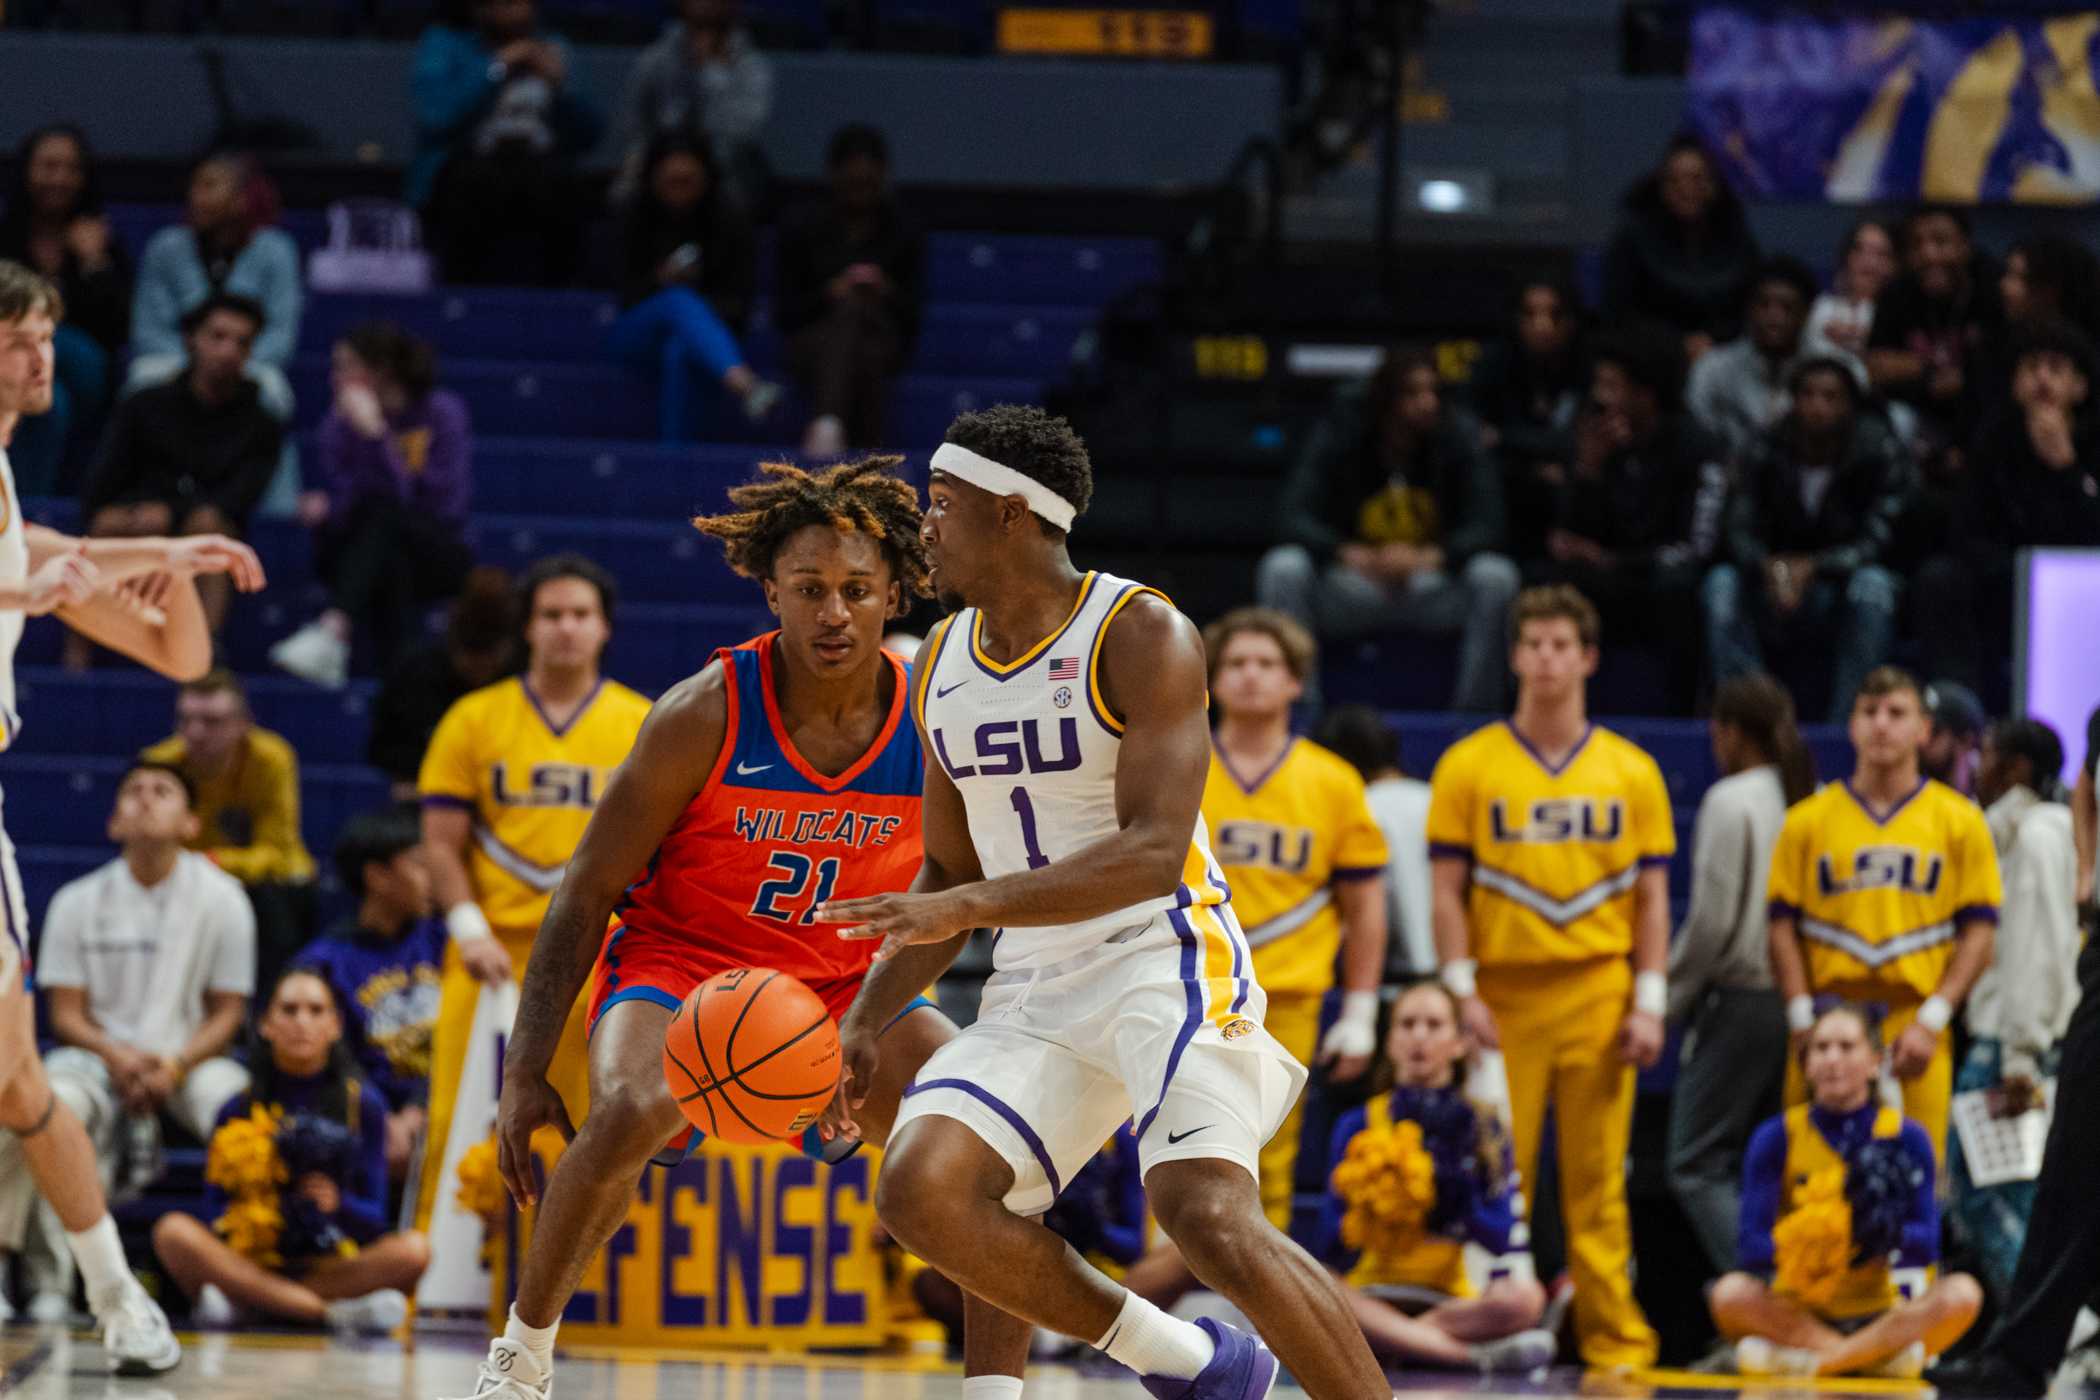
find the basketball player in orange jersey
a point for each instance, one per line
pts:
(781, 773)
(1067, 748)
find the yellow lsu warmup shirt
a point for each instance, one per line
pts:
(1878, 901)
(1283, 839)
(529, 787)
(1555, 851)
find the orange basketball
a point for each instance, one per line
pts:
(752, 1056)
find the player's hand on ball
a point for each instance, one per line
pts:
(1641, 1038)
(1479, 1023)
(1913, 1051)
(859, 1053)
(899, 920)
(528, 1104)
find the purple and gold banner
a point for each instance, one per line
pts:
(1867, 109)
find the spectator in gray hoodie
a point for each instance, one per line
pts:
(703, 79)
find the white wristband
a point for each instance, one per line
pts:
(1651, 993)
(1457, 975)
(1935, 1013)
(1801, 1013)
(465, 922)
(1359, 1008)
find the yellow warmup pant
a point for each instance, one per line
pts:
(1929, 1099)
(1295, 1021)
(457, 995)
(1558, 1023)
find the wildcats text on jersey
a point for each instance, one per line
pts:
(835, 825)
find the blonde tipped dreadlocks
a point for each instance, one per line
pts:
(860, 497)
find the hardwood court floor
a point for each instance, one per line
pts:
(54, 1365)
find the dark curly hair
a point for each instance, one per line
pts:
(859, 497)
(388, 349)
(1038, 445)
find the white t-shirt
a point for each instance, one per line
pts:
(146, 957)
(1401, 808)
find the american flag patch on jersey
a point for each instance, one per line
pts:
(1064, 668)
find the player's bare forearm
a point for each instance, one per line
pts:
(1788, 968)
(892, 983)
(1362, 903)
(673, 753)
(177, 644)
(1973, 947)
(1447, 895)
(562, 954)
(1651, 919)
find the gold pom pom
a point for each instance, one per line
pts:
(481, 1188)
(251, 1226)
(242, 1158)
(1812, 1245)
(1387, 1182)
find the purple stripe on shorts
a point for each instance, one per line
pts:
(1005, 1111)
(1189, 1023)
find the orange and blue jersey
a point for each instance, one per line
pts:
(767, 839)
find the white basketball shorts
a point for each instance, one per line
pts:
(14, 922)
(1151, 1033)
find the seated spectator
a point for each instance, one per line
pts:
(1400, 805)
(1641, 514)
(1683, 254)
(499, 128)
(315, 1248)
(1809, 525)
(1392, 519)
(2047, 277)
(247, 784)
(706, 81)
(1933, 326)
(1526, 391)
(1843, 316)
(1797, 1304)
(147, 964)
(192, 456)
(479, 646)
(690, 273)
(1737, 391)
(2019, 1009)
(228, 248)
(1955, 723)
(850, 273)
(54, 226)
(1733, 1068)
(1409, 1286)
(383, 965)
(396, 463)
(2033, 480)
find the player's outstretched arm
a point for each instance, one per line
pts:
(1153, 676)
(156, 620)
(669, 763)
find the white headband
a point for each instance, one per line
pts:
(965, 465)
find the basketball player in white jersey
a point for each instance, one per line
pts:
(1067, 746)
(134, 596)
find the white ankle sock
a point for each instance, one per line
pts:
(991, 1388)
(537, 1341)
(100, 1255)
(1152, 1343)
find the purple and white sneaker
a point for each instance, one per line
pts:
(1241, 1369)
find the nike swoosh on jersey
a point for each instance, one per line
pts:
(945, 691)
(744, 770)
(1173, 1138)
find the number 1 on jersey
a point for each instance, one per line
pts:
(1025, 810)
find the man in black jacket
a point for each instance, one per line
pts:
(1391, 520)
(1640, 513)
(1815, 507)
(194, 455)
(2033, 481)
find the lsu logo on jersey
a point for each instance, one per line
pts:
(1882, 868)
(1555, 821)
(1002, 748)
(546, 785)
(1284, 848)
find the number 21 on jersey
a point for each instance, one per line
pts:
(797, 873)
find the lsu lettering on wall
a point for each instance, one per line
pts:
(736, 1246)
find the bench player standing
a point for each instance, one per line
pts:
(783, 771)
(1067, 744)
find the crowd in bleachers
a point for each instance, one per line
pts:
(1745, 468)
